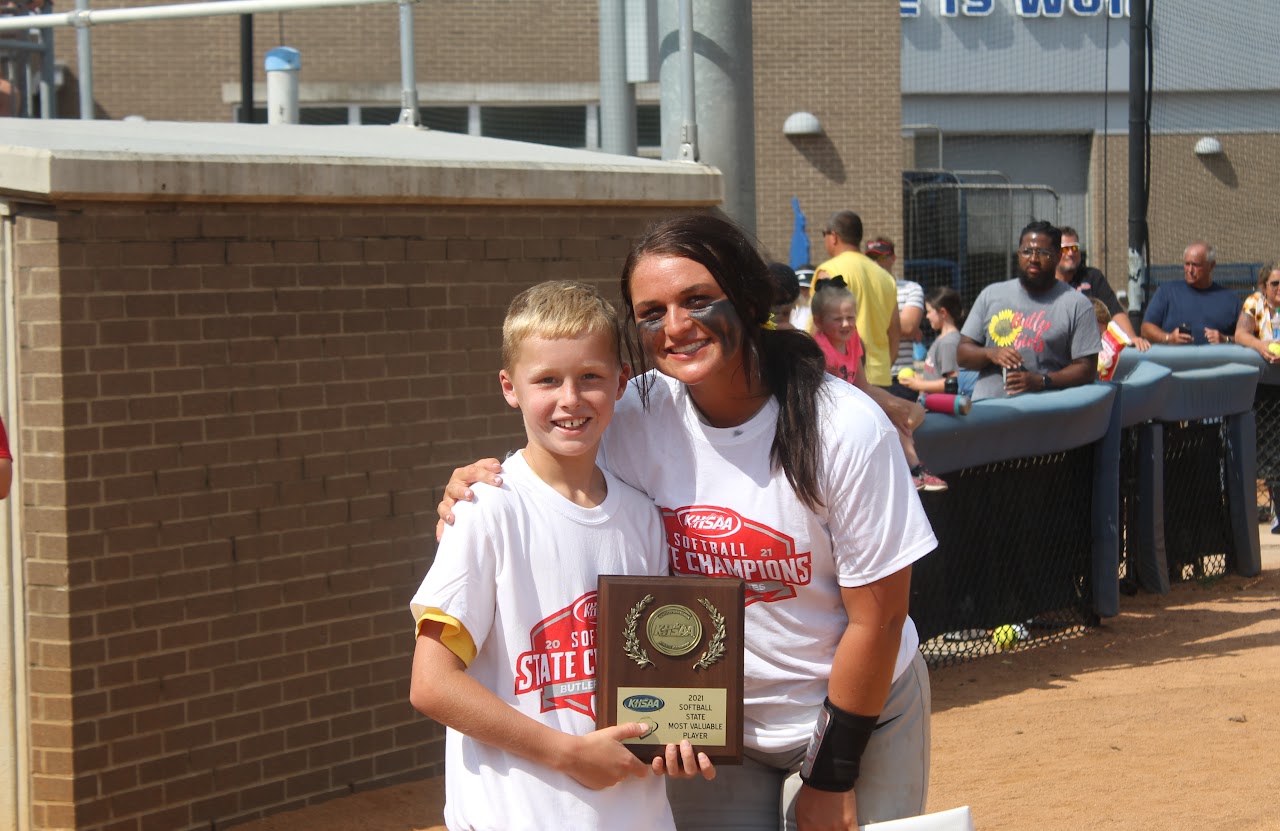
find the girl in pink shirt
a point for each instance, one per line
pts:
(835, 313)
(835, 329)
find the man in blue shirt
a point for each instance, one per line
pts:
(1196, 310)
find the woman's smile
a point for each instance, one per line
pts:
(687, 325)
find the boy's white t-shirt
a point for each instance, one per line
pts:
(518, 569)
(727, 512)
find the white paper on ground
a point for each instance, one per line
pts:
(957, 819)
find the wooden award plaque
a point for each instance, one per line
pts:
(669, 654)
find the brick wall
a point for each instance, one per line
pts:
(1223, 199)
(174, 70)
(839, 61)
(234, 423)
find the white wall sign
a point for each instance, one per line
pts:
(1023, 8)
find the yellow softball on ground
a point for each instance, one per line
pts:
(1273, 348)
(1006, 636)
(907, 372)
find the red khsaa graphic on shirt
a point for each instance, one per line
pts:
(561, 661)
(718, 542)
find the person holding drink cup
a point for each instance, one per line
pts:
(1034, 333)
(1196, 310)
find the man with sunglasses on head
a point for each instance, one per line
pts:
(1195, 310)
(1092, 283)
(1032, 334)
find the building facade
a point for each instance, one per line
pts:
(1037, 90)
(530, 71)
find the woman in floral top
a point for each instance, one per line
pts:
(1259, 325)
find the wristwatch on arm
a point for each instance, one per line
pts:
(1048, 382)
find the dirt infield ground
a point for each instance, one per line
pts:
(1165, 717)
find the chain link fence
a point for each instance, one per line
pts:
(1128, 570)
(1266, 412)
(1008, 571)
(961, 231)
(1197, 520)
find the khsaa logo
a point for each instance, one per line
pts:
(710, 522)
(643, 703)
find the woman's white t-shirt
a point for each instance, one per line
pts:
(727, 512)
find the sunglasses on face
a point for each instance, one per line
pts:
(1273, 283)
(1070, 248)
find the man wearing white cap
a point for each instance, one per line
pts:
(800, 312)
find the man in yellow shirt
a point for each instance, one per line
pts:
(874, 288)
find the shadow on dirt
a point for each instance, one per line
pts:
(1196, 621)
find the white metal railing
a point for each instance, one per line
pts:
(83, 18)
(98, 17)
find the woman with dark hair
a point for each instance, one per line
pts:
(742, 422)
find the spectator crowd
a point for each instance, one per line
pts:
(1041, 331)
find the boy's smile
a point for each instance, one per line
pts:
(565, 389)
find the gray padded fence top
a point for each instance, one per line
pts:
(1012, 428)
(1165, 384)
(1142, 391)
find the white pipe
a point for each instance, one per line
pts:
(282, 66)
(98, 17)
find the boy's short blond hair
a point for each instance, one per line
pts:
(558, 309)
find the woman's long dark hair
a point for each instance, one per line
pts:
(789, 363)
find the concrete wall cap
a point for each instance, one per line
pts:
(167, 161)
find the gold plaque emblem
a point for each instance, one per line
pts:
(670, 656)
(674, 630)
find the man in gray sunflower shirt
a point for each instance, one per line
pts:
(1034, 333)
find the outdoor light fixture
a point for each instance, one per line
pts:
(802, 124)
(1208, 146)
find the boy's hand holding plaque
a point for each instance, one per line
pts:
(669, 655)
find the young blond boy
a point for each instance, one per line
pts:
(505, 653)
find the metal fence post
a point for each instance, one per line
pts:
(409, 115)
(48, 91)
(84, 60)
